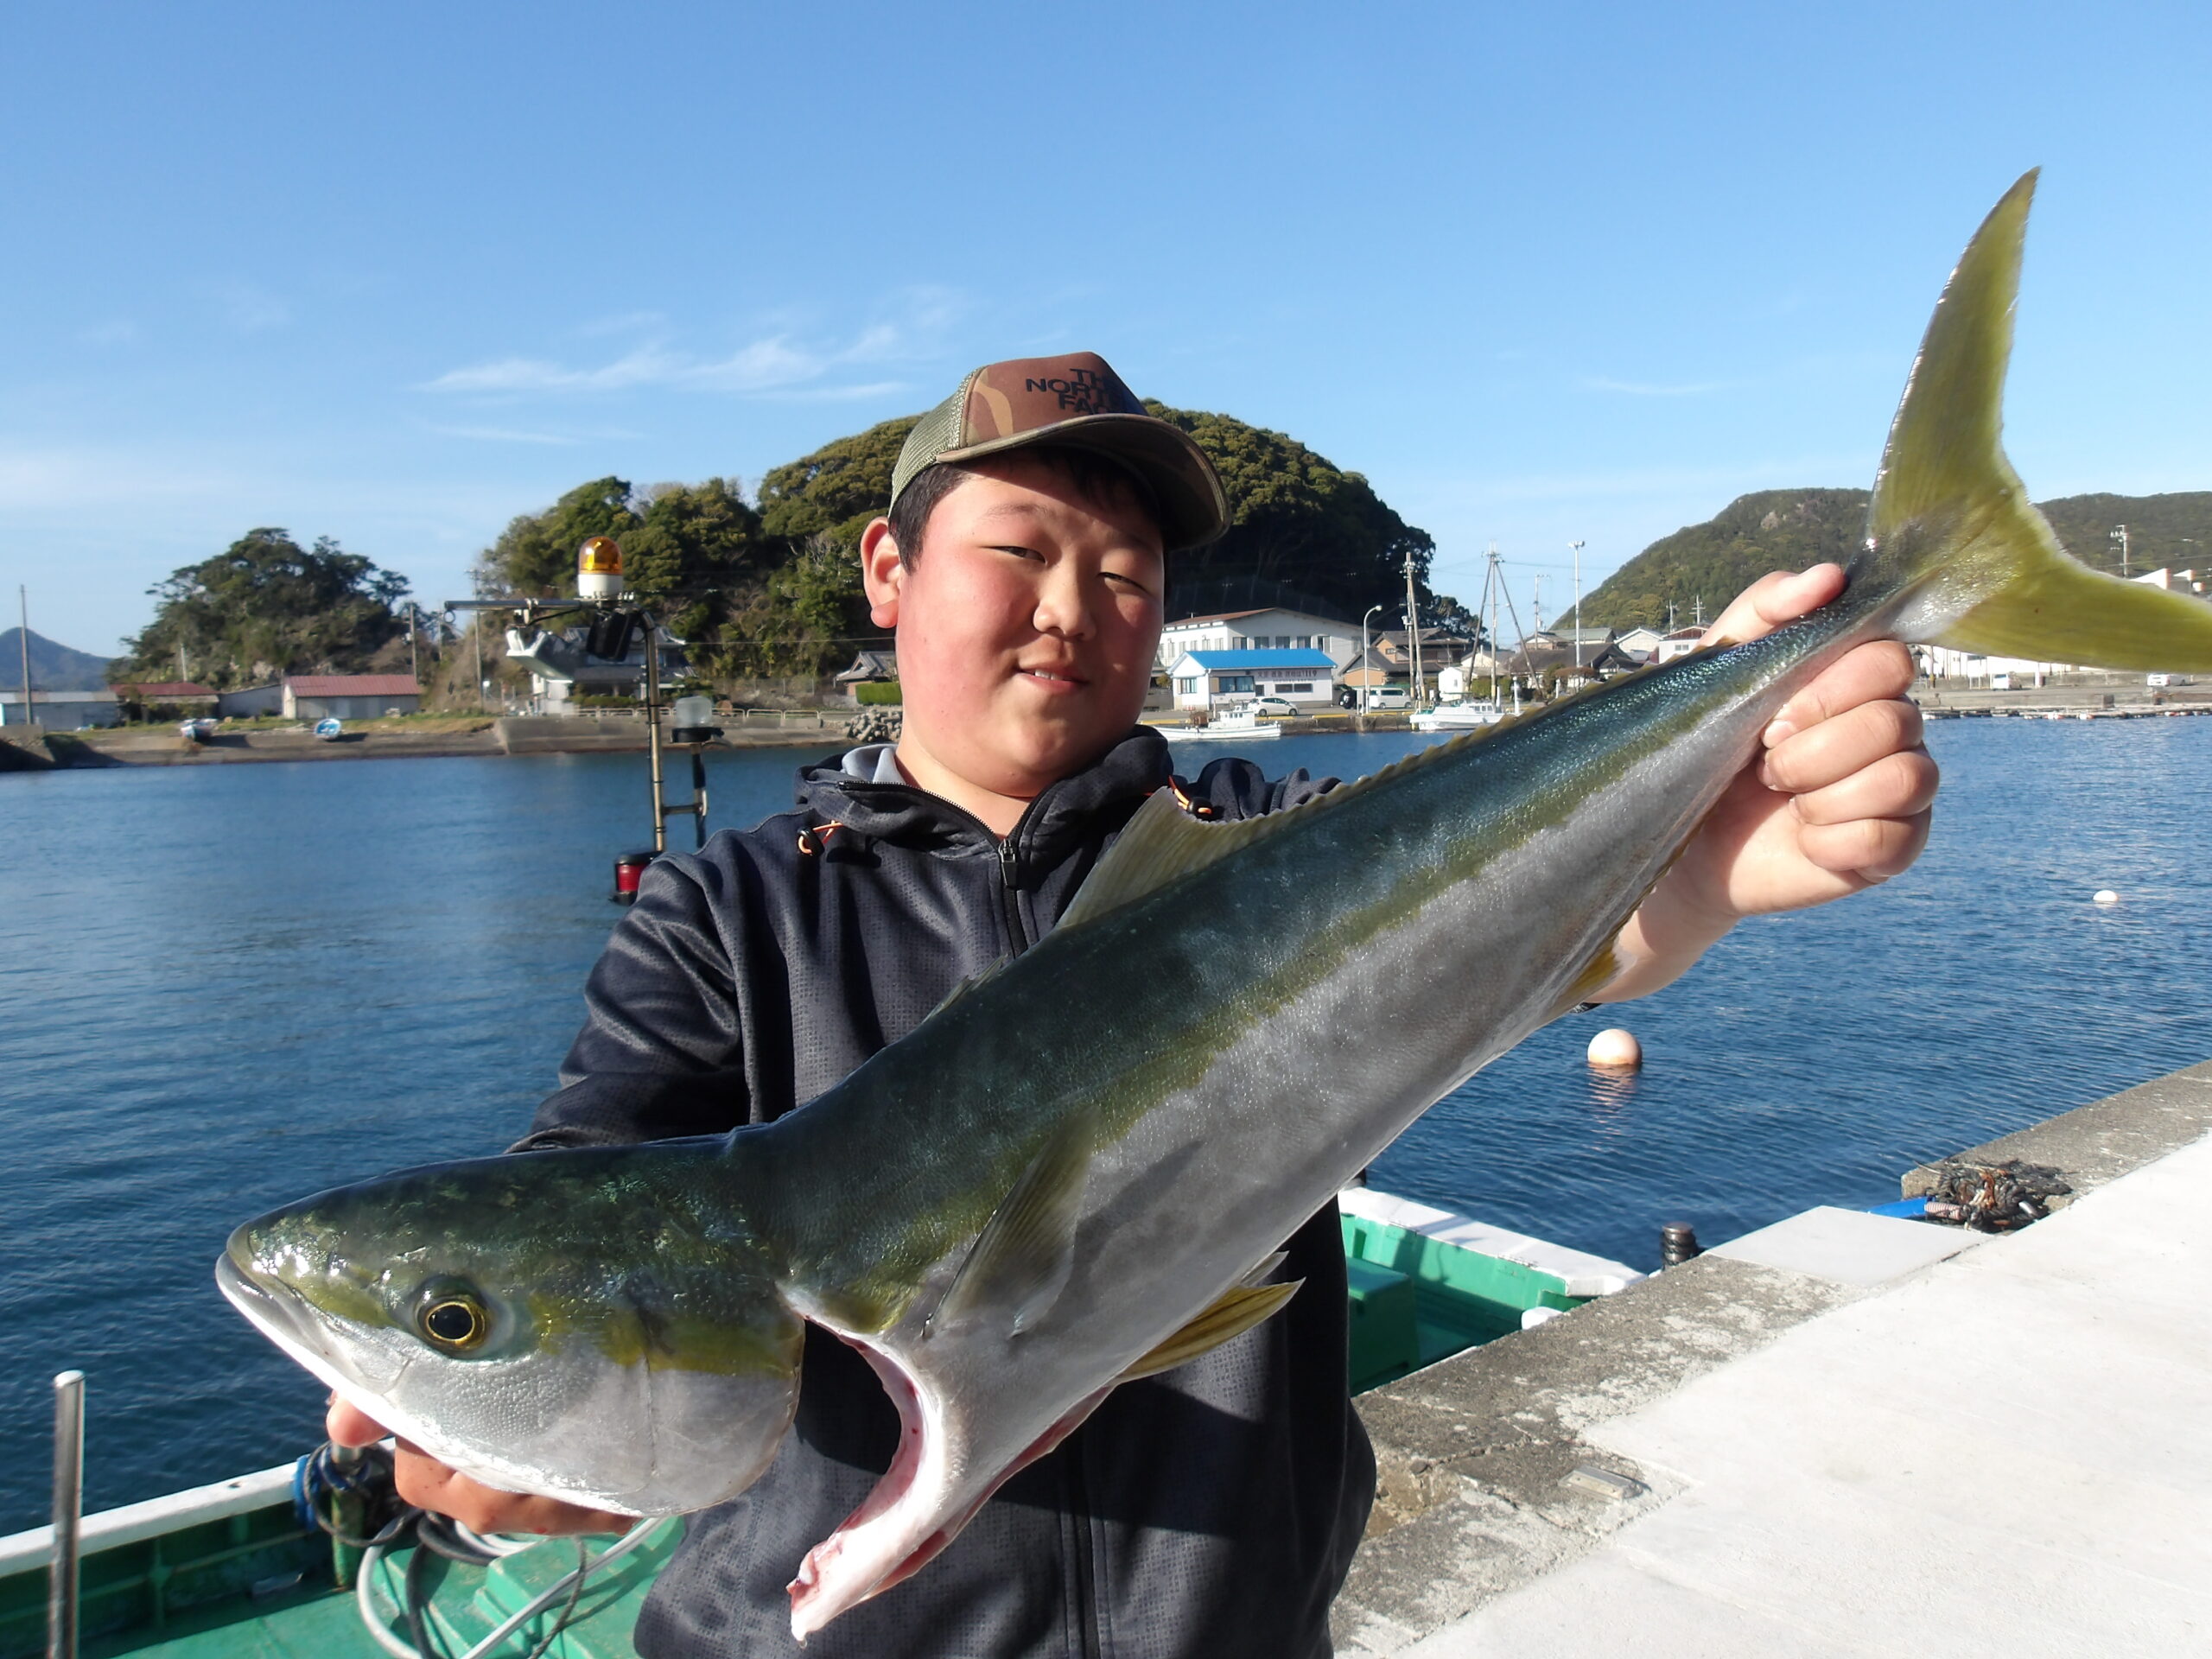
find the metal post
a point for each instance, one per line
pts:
(23, 640)
(652, 731)
(68, 1509)
(1366, 672)
(413, 651)
(477, 628)
(2119, 534)
(1577, 546)
(1413, 628)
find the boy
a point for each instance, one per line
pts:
(1214, 1510)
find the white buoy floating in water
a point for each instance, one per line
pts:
(2104, 896)
(1615, 1050)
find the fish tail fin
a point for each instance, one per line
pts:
(1951, 529)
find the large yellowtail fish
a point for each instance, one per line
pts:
(1078, 1170)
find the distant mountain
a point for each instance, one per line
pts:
(53, 667)
(1788, 530)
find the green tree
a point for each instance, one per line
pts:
(837, 489)
(1298, 523)
(537, 552)
(264, 607)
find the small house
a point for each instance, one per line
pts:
(1261, 629)
(869, 668)
(165, 699)
(1202, 679)
(350, 696)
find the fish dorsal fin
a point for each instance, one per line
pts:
(968, 984)
(1020, 1260)
(1236, 1310)
(1162, 842)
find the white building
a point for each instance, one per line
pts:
(1639, 642)
(1268, 630)
(1680, 643)
(1203, 679)
(62, 711)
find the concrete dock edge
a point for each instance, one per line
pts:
(1494, 1472)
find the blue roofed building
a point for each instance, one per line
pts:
(1206, 679)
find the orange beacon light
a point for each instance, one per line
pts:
(599, 569)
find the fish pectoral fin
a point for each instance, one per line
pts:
(1261, 1269)
(1230, 1314)
(1021, 1260)
(1600, 971)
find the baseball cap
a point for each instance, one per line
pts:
(1078, 401)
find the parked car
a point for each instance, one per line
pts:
(1389, 696)
(1274, 709)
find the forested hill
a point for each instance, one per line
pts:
(1788, 530)
(53, 667)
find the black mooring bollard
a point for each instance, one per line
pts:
(1678, 1244)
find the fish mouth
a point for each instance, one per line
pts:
(290, 1324)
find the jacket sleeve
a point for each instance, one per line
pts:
(662, 1051)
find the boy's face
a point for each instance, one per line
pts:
(1026, 626)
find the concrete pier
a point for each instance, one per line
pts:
(1840, 1434)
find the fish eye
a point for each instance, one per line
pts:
(452, 1318)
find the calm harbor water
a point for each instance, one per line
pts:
(224, 986)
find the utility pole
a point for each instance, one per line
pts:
(1577, 546)
(477, 628)
(2119, 536)
(1697, 611)
(1540, 602)
(180, 661)
(1366, 669)
(413, 651)
(1670, 616)
(23, 640)
(1413, 628)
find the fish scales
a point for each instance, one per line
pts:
(1074, 1171)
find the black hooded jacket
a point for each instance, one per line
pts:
(1211, 1510)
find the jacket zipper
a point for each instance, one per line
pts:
(1010, 892)
(1086, 1589)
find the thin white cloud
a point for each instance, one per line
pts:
(778, 364)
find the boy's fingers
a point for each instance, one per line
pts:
(1895, 786)
(1879, 671)
(1778, 597)
(348, 1425)
(1867, 850)
(1835, 748)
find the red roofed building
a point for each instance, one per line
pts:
(350, 696)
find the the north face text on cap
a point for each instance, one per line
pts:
(1082, 392)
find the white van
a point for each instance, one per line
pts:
(1389, 696)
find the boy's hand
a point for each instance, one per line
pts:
(1838, 799)
(430, 1484)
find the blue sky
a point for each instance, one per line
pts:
(397, 274)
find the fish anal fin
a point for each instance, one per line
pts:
(1021, 1260)
(1230, 1315)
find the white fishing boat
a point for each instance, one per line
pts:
(1239, 725)
(1458, 716)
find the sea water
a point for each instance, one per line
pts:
(224, 986)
